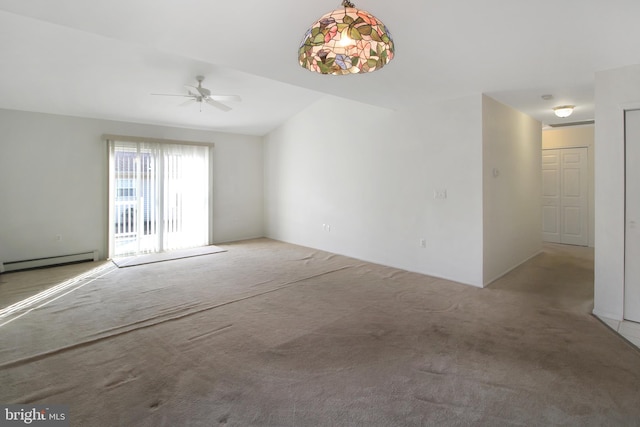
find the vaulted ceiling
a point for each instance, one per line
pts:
(105, 59)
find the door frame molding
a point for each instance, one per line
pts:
(625, 213)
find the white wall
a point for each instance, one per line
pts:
(53, 181)
(512, 188)
(341, 176)
(616, 90)
(370, 174)
(571, 137)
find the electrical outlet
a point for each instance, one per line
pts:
(58, 237)
(423, 243)
(440, 194)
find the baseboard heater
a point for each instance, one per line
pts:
(48, 261)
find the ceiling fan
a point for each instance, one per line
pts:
(202, 95)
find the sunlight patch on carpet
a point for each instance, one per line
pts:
(21, 308)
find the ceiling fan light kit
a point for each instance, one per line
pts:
(346, 41)
(202, 95)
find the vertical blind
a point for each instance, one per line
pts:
(158, 196)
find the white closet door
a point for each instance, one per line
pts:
(551, 196)
(632, 224)
(565, 209)
(574, 195)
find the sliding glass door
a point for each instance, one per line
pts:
(158, 197)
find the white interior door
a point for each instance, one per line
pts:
(632, 217)
(565, 210)
(551, 196)
(574, 196)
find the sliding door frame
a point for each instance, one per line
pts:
(110, 229)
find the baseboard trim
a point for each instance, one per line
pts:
(629, 331)
(611, 316)
(48, 261)
(499, 276)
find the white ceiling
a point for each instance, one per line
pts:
(104, 59)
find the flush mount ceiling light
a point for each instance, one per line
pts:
(346, 41)
(564, 110)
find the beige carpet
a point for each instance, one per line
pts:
(272, 334)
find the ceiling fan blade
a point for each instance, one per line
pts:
(171, 94)
(188, 102)
(194, 90)
(234, 98)
(218, 105)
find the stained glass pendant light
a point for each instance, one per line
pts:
(346, 41)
